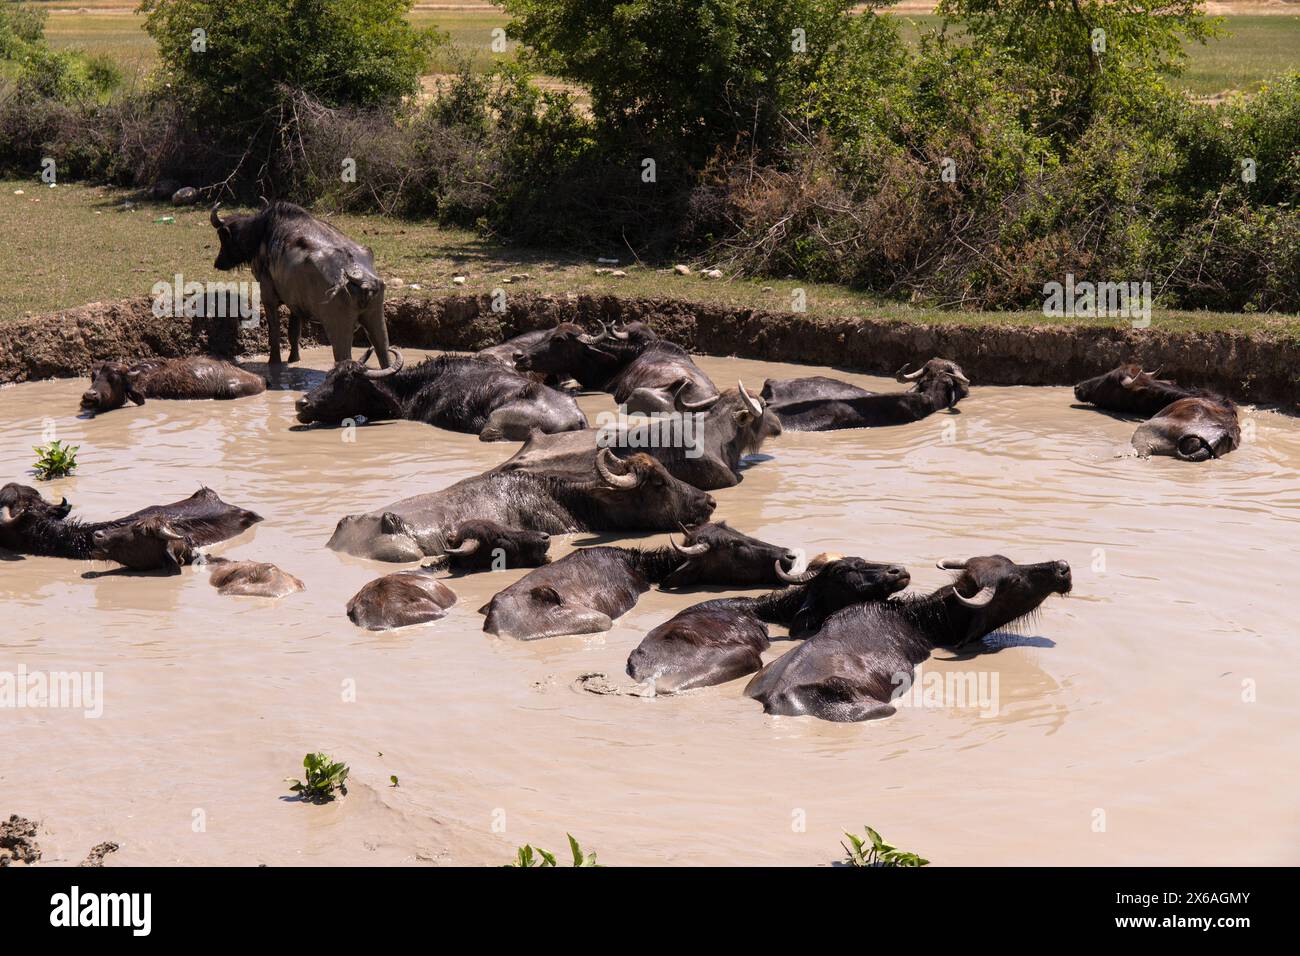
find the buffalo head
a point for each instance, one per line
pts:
(998, 591)
(1129, 389)
(240, 238)
(939, 377)
(111, 385)
(717, 554)
(351, 390)
(638, 492)
(146, 544)
(477, 544)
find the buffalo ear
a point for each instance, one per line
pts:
(391, 524)
(545, 594)
(131, 391)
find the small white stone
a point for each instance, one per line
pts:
(458, 280)
(682, 270)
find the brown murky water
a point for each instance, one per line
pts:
(1151, 717)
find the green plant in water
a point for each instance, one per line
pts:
(324, 776)
(55, 460)
(527, 856)
(878, 853)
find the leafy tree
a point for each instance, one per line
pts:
(252, 54)
(685, 74)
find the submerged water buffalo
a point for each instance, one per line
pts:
(251, 579)
(311, 267)
(112, 384)
(703, 450)
(721, 640)
(16, 499)
(453, 392)
(636, 494)
(400, 600)
(1192, 429)
(593, 359)
(780, 392)
(478, 545)
(862, 656)
(160, 536)
(937, 384)
(1130, 390)
(586, 590)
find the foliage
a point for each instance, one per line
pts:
(530, 856)
(55, 460)
(879, 853)
(324, 776)
(62, 75)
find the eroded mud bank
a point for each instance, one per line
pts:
(1256, 367)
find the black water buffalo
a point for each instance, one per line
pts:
(662, 378)
(160, 536)
(937, 384)
(16, 499)
(704, 450)
(453, 392)
(854, 666)
(721, 640)
(1192, 429)
(478, 545)
(311, 267)
(251, 579)
(584, 591)
(635, 494)
(400, 600)
(593, 359)
(200, 377)
(1130, 390)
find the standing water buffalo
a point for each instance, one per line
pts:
(864, 655)
(311, 267)
(113, 383)
(453, 392)
(937, 384)
(717, 641)
(160, 536)
(586, 590)
(632, 495)
(1130, 390)
(1192, 429)
(732, 426)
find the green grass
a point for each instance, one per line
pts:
(1257, 48)
(76, 244)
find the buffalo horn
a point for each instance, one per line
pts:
(981, 598)
(750, 401)
(682, 405)
(903, 375)
(468, 546)
(214, 218)
(612, 478)
(688, 549)
(394, 367)
(800, 573)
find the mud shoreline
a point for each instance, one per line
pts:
(1257, 368)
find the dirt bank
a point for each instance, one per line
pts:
(1259, 368)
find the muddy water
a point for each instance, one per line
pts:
(1119, 733)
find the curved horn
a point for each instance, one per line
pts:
(213, 217)
(689, 549)
(468, 546)
(167, 531)
(903, 375)
(750, 401)
(799, 574)
(588, 339)
(1159, 369)
(620, 334)
(960, 377)
(682, 405)
(6, 516)
(950, 565)
(392, 369)
(610, 477)
(983, 597)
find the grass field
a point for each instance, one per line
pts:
(1258, 46)
(76, 244)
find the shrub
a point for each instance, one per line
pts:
(55, 460)
(324, 776)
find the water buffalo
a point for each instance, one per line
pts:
(311, 267)
(662, 378)
(478, 545)
(585, 590)
(636, 494)
(937, 384)
(707, 457)
(251, 579)
(16, 499)
(113, 383)
(593, 359)
(453, 392)
(399, 600)
(721, 640)
(1193, 429)
(863, 655)
(1130, 390)
(160, 536)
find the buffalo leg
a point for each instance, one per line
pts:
(271, 304)
(295, 334)
(372, 320)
